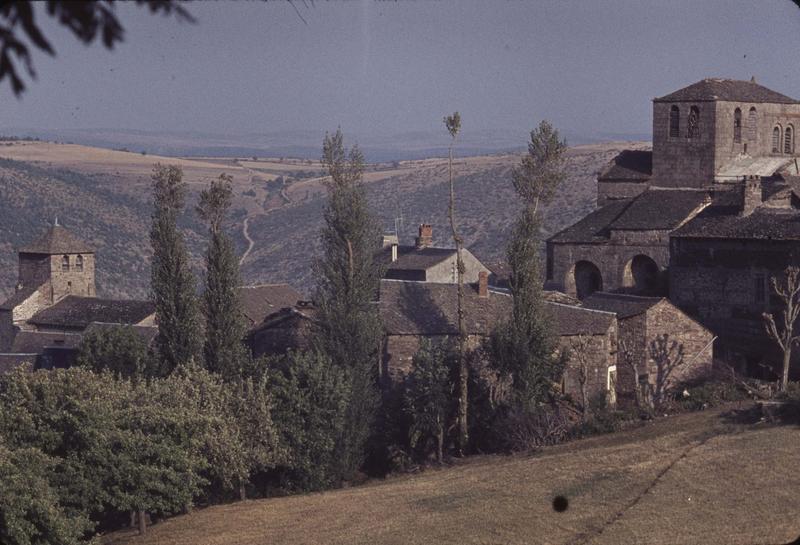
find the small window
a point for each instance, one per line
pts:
(788, 141)
(776, 140)
(79, 263)
(760, 289)
(752, 124)
(674, 122)
(65, 263)
(737, 125)
(693, 124)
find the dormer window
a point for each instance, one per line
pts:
(788, 141)
(79, 263)
(776, 140)
(693, 124)
(737, 125)
(65, 263)
(674, 122)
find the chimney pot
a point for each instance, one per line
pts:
(394, 253)
(483, 284)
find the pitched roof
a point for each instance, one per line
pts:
(633, 165)
(415, 259)
(262, 300)
(569, 320)
(724, 222)
(592, 227)
(79, 312)
(745, 165)
(17, 298)
(35, 342)
(9, 362)
(624, 306)
(146, 333)
(711, 89)
(57, 240)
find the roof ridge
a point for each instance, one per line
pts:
(580, 307)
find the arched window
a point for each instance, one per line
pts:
(737, 125)
(752, 124)
(776, 140)
(693, 125)
(65, 263)
(79, 263)
(788, 140)
(674, 122)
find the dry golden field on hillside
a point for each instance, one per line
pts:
(689, 479)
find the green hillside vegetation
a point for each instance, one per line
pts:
(700, 478)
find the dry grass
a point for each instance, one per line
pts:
(684, 480)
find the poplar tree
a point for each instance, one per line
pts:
(172, 282)
(348, 279)
(453, 124)
(225, 328)
(524, 347)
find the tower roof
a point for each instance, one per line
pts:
(712, 89)
(57, 240)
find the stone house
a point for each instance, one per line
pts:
(660, 346)
(423, 262)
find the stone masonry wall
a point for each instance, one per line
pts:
(72, 282)
(681, 161)
(767, 117)
(600, 353)
(445, 272)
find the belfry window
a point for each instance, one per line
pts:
(65, 263)
(674, 122)
(788, 141)
(776, 140)
(752, 124)
(737, 125)
(693, 125)
(79, 263)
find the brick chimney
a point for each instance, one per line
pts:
(752, 194)
(483, 284)
(425, 238)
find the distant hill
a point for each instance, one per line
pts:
(104, 197)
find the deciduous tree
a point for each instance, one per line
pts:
(781, 323)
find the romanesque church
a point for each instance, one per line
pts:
(706, 218)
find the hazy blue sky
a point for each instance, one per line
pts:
(390, 67)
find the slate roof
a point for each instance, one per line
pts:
(632, 165)
(57, 240)
(624, 306)
(416, 259)
(724, 222)
(262, 300)
(654, 209)
(9, 362)
(744, 165)
(79, 312)
(712, 89)
(420, 308)
(35, 342)
(569, 320)
(19, 297)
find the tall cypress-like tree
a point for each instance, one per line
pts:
(225, 328)
(523, 347)
(348, 278)
(172, 283)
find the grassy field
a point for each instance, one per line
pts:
(691, 479)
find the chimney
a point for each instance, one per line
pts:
(752, 194)
(425, 238)
(389, 240)
(483, 284)
(394, 253)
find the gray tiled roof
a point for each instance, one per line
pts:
(57, 240)
(723, 222)
(631, 165)
(594, 226)
(79, 312)
(624, 306)
(570, 320)
(416, 259)
(260, 301)
(711, 89)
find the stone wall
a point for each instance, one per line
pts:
(73, 281)
(600, 353)
(445, 272)
(34, 269)
(681, 161)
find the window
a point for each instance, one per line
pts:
(65, 263)
(693, 125)
(752, 124)
(776, 140)
(674, 122)
(737, 125)
(788, 142)
(79, 263)
(760, 289)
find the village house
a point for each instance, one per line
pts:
(706, 218)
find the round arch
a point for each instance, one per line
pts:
(583, 279)
(641, 275)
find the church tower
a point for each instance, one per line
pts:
(58, 264)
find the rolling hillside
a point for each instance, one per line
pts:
(693, 479)
(104, 196)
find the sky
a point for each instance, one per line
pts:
(383, 67)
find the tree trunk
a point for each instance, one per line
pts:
(133, 519)
(440, 443)
(787, 358)
(142, 522)
(242, 490)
